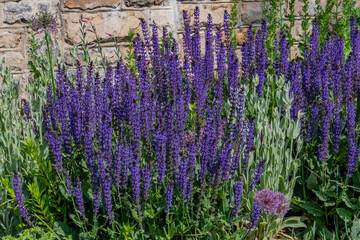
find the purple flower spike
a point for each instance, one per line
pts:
(79, 198)
(20, 197)
(257, 174)
(169, 196)
(237, 198)
(255, 215)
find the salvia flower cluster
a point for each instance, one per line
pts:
(325, 86)
(161, 127)
(329, 83)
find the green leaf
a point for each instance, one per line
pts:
(63, 192)
(63, 230)
(355, 230)
(240, 235)
(347, 201)
(293, 222)
(311, 182)
(344, 214)
(312, 208)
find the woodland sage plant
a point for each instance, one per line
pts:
(177, 148)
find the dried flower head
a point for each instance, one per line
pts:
(272, 202)
(43, 21)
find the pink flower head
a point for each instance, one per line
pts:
(272, 202)
(110, 35)
(84, 21)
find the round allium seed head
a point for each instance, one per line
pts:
(43, 21)
(272, 202)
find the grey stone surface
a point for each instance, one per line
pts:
(17, 12)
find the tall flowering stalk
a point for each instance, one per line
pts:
(19, 195)
(44, 21)
(237, 198)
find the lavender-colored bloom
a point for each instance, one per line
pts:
(55, 147)
(353, 151)
(237, 198)
(255, 214)
(68, 183)
(169, 196)
(191, 170)
(135, 180)
(106, 187)
(337, 126)
(29, 117)
(261, 57)
(272, 202)
(146, 180)
(225, 161)
(208, 69)
(97, 199)
(282, 63)
(79, 199)
(257, 174)
(326, 118)
(183, 176)
(160, 146)
(249, 143)
(248, 56)
(227, 26)
(145, 32)
(20, 197)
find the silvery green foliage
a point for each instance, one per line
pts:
(17, 140)
(278, 142)
(11, 124)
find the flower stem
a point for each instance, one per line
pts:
(48, 40)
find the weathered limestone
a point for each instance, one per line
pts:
(91, 4)
(10, 38)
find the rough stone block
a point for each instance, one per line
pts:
(10, 38)
(142, 3)
(251, 13)
(4, 1)
(24, 10)
(299, 5)
(15, 60)
(117, 24)
(162, 18)
(18, 12)
(91, 4)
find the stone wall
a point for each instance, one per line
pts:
(116, 17)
